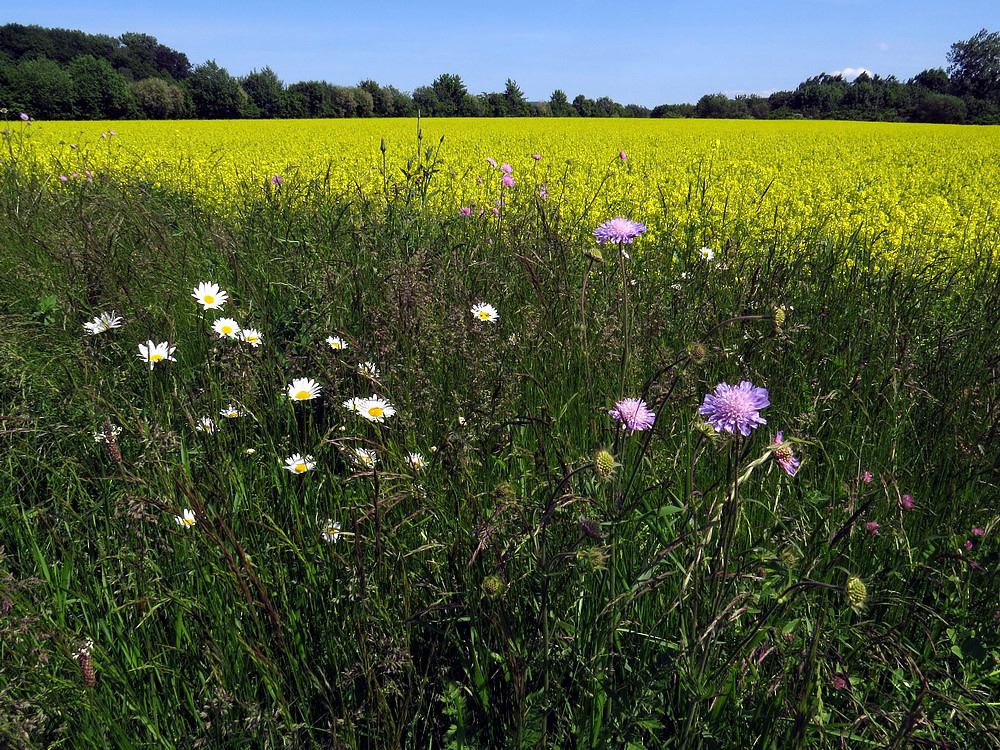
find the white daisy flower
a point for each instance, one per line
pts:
(210, 296)
(376, 409)
(232, 412)
(252, 336)
(485, 313)
(416, 461)
(250, 451)
(227, 328)
(205, 424)
(101, 437)
(336, 342)
(299, 464)
(364, 458)
(354, 404)
(103, 322)
(369, 370)
(331, 531)
(303, 389)
(187, 519)
(707, 253)
(153, 353)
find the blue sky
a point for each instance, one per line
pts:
(635, 52)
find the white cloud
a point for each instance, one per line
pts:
(851, 73)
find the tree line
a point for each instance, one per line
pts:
(63, 74)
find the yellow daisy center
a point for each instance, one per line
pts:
(375, 411)
(227, 329)
(483, 314)
(303, 395)
(188, 521)
(251, 339)
(334, 345)
(155, 357)
(300, 468)
(209, 298)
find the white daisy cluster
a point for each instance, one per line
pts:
(103, 322)
(373, 409)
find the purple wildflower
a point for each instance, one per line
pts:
(543, 192)
(508, 180)
(507, 169)
(618, 231)
(491, 161)
(907, 502)
(25, 117)
(479, 180)
(633, 413)
(63, 178)
(866, 477)
(465, 211)
(784, 455)
(979, 532)
(536, 157)
(733, 408)
(621, 155)
(277, 179)
(968, 544)
(872, 527)
(838, 683)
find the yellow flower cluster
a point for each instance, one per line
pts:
(925, 188)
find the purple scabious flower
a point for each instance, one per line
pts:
(784, 456)
(507, 180)
(733, 408)
(618, 231)
(907, 502)
(633, 413)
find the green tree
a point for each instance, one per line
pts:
(933, 79)
(44, 89)
(159, 99)
(214, 93)
(265, 90)
(99, 91)
(560, 106)
(426, 101)
(975, 66)
(517, 105)
(450, 92)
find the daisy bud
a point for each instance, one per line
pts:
(857, 593)
(604, 464)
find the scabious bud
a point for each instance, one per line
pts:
(591, 528)
(697, 352)
(493, 586)
(87, 663)
(779, 314)
(706, 429)
(594, 254)
(604, 464)
(593, 558)
(788, 557)
(857, 592)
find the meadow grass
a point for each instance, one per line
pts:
(517, 591)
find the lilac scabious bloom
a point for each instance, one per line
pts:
(633, 413)
(618, 231)
(784, 456)
(622, 156)
(866, 477)
(907, 502)
(277, 179)
(507, 169)
(733, 408)
(465, 211)
(872, 527)
(491, 161)
(508, 180)
(536, 157)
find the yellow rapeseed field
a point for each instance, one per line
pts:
(921, 188)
